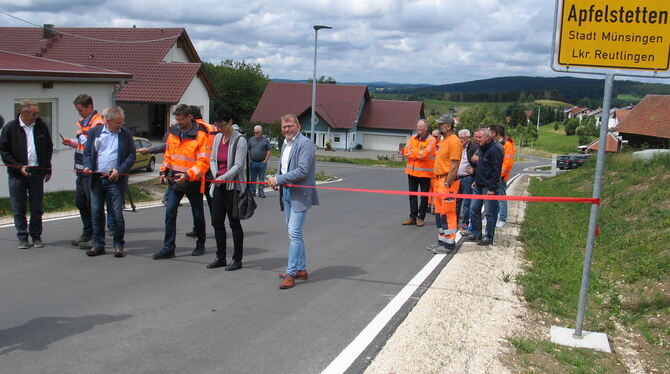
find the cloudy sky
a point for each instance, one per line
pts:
(422, 41)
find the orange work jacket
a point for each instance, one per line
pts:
(420, 155)
(508, 160)
(81, 137)
(188, 154)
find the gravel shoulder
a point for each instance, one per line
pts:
(461, 322)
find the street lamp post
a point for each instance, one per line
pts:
(313, 119)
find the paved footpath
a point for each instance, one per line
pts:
(461, 322)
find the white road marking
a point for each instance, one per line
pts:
(347, 357)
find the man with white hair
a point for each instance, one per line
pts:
(26, 149)
(465, 176)
(420, 155)
(487, 182)
(259, 154)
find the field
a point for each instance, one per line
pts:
(555, 141)
(443, 106)
(629, 297)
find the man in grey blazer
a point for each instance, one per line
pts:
(297, 166)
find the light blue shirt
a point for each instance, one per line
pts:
(107, 147)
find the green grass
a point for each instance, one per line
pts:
(555, 141)
(62, 201)
(443, 106)
(555, 103)
(629, 278)
(362, 161)
(629, 97)
(543, 356)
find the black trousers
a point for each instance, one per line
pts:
(416, 210)
(27, 191)
(222, 205)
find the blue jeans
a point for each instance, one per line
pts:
(27, 189)
(257, 170)
(465, 188)
(503, 203)
(102, 189)
(296, 243)
(476, 214)
(197, 209)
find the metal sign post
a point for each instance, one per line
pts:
(620, 36)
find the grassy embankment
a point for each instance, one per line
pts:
(629, 297)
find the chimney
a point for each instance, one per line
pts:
(48, 31)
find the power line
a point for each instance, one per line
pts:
(89, 38)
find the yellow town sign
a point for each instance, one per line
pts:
(618, 34)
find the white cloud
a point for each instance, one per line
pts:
(428, 41)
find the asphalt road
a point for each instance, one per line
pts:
(63, 312)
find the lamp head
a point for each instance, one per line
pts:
(319, 27)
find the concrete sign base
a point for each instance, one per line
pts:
(591, 340)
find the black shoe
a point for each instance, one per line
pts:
(86, 245)
(163, 254)
(23, 244)
(234, 266)
(217, 263)
(485, 241)
(262, 196)
(95, 251)
(191, 234)
(198, 251)
(37, 243)
(80, 239)
(473, 238)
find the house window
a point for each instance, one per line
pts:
(46, 108)
(336, 139)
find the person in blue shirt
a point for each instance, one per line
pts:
(108, 157)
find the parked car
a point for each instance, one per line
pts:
(564, 162)
(579, 160)
(571, 161)
(146, 162)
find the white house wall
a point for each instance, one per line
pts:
(196, 94)
(62, 94)
(176, 54)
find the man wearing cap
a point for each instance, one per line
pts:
(420, 155)
(447, 161)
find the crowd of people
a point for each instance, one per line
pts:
(215, 161)
(473, 164)
(200, 159)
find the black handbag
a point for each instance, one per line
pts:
(245, 205)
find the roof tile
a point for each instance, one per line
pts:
(651, 117)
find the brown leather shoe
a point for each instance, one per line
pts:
(287, 282)
(419, 222)
(118, 252)
(409, 221)
(300, 274)
(95, 251)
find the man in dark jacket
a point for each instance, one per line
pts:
(108, 157)
(466, 171)
(487, 182)
(26, 148)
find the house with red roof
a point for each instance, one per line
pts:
(346, 115)
(146, 71)
(647, 123)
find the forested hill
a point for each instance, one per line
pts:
(568, 89)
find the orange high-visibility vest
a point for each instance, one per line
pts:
(212, 131)
(82, 131)
(508, 160)
(188, 154)
(420, 154)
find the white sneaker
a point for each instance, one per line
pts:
(501, 224)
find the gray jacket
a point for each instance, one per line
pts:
(235, 171)
(301, 170)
